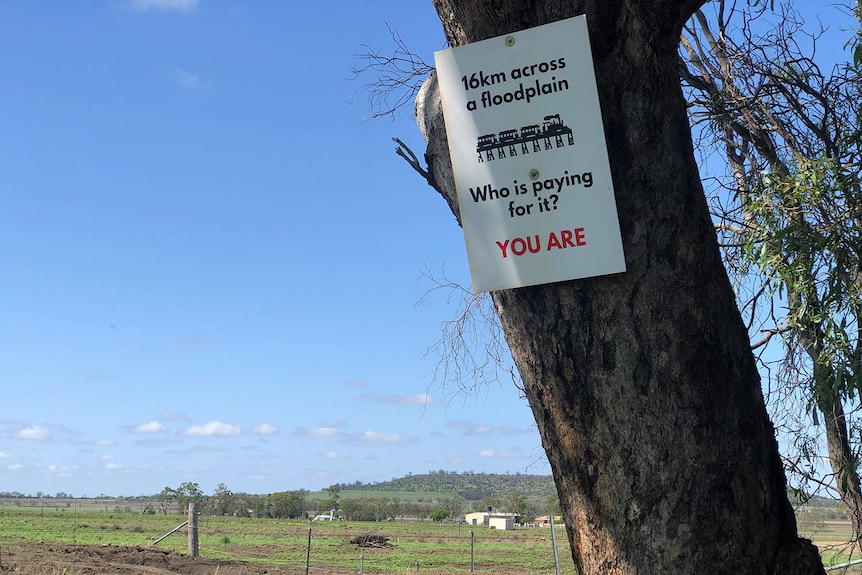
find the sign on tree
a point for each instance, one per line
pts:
(529, 157)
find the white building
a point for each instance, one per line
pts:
(492, 520)
(499, 521)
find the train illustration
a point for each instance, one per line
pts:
(552, 127)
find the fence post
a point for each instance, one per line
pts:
(554, 543)
(471, 550)
(308, 553)
(194, 546)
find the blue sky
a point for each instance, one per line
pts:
(211, 262)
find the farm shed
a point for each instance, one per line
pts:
(545, 521)
(476, 518)
(501, 522)
(493, 520)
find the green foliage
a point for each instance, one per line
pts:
(515, 502)
(856, 42)
(286, 504)
(332, 498)
(789, 216)
(439, 515)
(186, 493)
(552, 505)
(374, 503)
(808, 226)
(166, 499)
(469, 486)
(222, 500)
(495, 503)
(376, 509)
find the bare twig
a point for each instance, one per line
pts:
(405, 152)
(397, 77)
(768, 335)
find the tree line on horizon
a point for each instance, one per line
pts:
(527, 496)
(449, 496)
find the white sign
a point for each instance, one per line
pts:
(529, 157)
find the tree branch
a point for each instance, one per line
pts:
(405, 152)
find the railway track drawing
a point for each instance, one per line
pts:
(552, 133)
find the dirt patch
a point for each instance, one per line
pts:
(52, 559)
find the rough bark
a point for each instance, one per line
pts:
(642, 384)
(841, 458)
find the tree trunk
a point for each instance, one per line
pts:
(841, 457)
(642, 384)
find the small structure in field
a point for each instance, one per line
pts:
(493, 520)
(505, 522)
(331, 516)
(545, 521)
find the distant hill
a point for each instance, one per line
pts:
(468, 485)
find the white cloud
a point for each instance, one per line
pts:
(187, 80)
(16, 467)
(374, 438)
(319, 431)
(58, 470)
(3, 455)
(165, 5)
(469, 428)
(511, 430)
(211, 429)
(107, 458)
(105, 442)
(154, 426)
(33, 432)
(322, 430)
(394, 399)
(496, 454)
(113, 466)
(265, 429)
(330, 455)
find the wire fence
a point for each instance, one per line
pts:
(297, 545)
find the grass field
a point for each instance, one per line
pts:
(832, 538)
(415, 547)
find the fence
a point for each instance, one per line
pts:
(299, 545)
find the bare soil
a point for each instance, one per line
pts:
(54, 559)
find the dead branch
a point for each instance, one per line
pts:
(397, 76)
(405, 152)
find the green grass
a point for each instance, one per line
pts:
(832, 537)
(437, 547)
